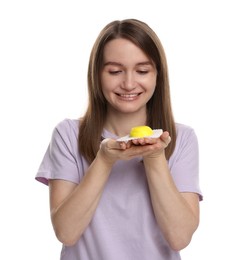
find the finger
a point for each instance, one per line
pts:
(165, 137)
(103, 143)
(167, 140)
(112, 144)
(140, 141)
(123, 145)
(150, 140)
(144, 141)
(128, 144)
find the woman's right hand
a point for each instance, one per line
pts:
(111, 150)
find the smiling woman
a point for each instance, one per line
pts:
(112, 199)
(128, 75)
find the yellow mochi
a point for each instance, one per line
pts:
(141, 131)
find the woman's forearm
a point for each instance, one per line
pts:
(176, 215)
(74, 214)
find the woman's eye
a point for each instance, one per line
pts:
(115, 72)
(142, 71)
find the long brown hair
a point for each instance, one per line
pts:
(159, 111)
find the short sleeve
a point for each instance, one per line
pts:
(60, 159)
(184, 164)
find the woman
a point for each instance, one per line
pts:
(115, 200)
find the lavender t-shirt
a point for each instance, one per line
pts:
(123, 226)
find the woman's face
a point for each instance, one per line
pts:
(128, 77)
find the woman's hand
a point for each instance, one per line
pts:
(111, 150)
(156, 146)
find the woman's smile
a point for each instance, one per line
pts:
(128, 97)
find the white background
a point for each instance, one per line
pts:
(44, 50)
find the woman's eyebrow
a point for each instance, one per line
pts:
(120, 64)
(112, 63)
(144, 63)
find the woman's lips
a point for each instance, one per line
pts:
(128, 97)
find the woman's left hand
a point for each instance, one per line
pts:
(155, 146)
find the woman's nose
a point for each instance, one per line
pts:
(129, 81)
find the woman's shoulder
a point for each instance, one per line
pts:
(183, 129)
(186, 142)
(185, 134)
(67, 130)
(68, 124)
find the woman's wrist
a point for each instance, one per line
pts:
(153, 158)
(104, 159)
